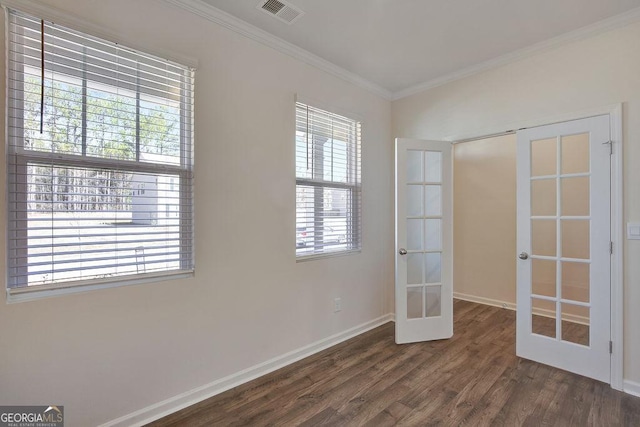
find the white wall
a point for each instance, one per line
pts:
(590, 73)
(108, 353)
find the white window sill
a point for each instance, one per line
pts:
(311, 257)
(32, 293)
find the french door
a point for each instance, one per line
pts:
(424, 244)
(564, 258)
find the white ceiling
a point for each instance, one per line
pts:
(399, 44)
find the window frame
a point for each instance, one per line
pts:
(18, 157)
(353, 186)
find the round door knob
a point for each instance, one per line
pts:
(402, 251)
(523, 255)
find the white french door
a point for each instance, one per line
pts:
(424, 243)
(564, 261)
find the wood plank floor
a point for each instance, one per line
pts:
(472, 379)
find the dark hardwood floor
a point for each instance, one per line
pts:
(472, 379)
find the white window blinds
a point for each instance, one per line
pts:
(328, 188)
(100, 160)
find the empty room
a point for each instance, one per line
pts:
(303, 212)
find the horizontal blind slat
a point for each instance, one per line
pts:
(161, 248)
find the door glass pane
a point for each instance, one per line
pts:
(433, 234)
(432, 267)
(414, 303)
(433, 301)
(414, 269)
(543, 237)
(575, 281)
(544, 157)
(575, 238)
(433, 197)
(543, 197)
(575, 196)
(415, 166)
(575, 153)
(433, 166)
(414, 234)
(575, 324)
(543, 317)
(543, 277)
(415, 202)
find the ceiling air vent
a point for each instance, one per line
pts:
(281, 10)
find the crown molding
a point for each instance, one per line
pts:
(230, 22)
(591, 30)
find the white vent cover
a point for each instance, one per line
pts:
(283, 11)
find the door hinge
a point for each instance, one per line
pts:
(610, 143)
(611, 248)
(610, 347)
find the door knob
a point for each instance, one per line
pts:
(402, 251)
(523, 255)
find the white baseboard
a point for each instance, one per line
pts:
(631, 387)
(485, 301)
(511, 306)
(181, 401)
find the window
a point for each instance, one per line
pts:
(327, 182)
(100, 161)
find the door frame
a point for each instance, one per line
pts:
(614, 112)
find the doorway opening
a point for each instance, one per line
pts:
(484, 221)
(478, 247)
